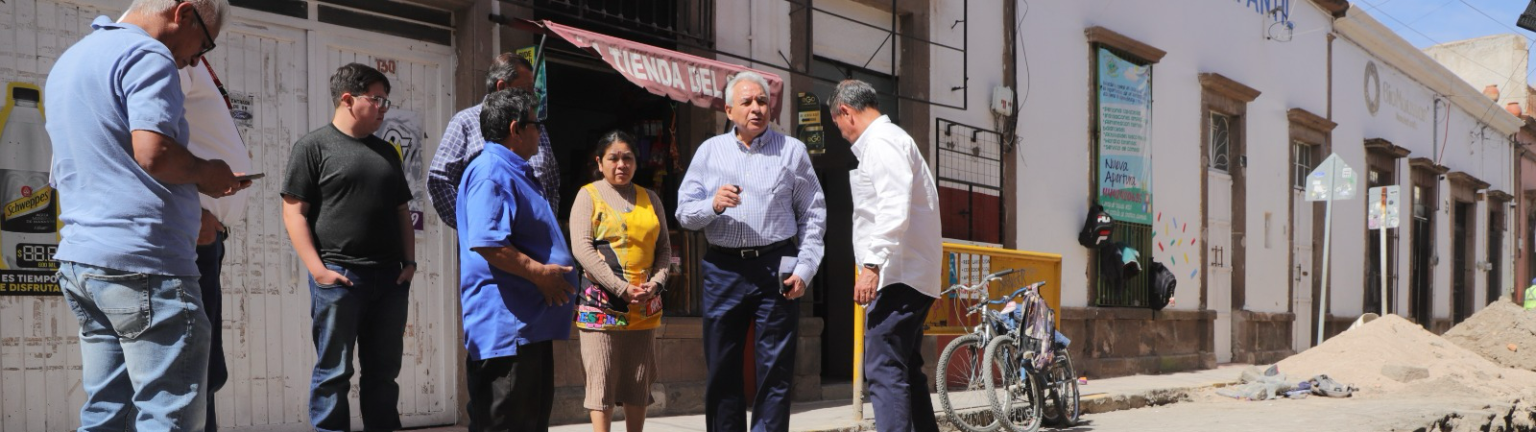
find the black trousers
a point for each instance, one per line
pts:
(893, 360)
(737, 293)
(210, 262)
(513, 393)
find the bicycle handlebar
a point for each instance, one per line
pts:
(984, 281)
(1031, 287)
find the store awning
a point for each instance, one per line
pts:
(681, 77)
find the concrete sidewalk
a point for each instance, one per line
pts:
(1110, 394)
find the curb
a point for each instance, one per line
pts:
(1093, 404)
(1103, 403)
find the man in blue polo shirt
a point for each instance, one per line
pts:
(131, 216)
(515, 280)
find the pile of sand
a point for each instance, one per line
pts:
(1392, 355)
(1502, 332)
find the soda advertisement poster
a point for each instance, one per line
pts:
(29, 206)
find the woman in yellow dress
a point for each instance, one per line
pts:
(619, 235)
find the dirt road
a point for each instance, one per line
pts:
(1208, 412)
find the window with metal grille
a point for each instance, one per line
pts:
(1134, 291)
(1302, 154)
(1221, 140)
(970, 181)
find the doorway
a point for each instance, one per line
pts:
(1461, 270)
(1224, 135)
(1303, 156)
(1495, 252)
(833, 300)
(1422, 235)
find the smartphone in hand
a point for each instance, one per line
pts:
(249, 177)
(786, 269)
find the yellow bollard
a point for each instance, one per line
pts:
(858, 359)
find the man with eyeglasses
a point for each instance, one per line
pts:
(515, 281)
(126, 256)
(346, 209)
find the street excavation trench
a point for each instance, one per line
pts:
(1405, 379)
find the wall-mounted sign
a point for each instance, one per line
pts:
(808, 123)
(1383, 88)
(1125, 126)
(240, 108)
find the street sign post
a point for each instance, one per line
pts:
(1383, 216)
(1333, 180)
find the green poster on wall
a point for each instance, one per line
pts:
(1125, 129)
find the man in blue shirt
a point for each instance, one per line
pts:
(131, 215)
(515, 280)
(753, 193)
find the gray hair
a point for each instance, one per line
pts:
(855, 94)
(730, 86)
(213, 12)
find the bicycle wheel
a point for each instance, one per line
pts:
(1051, 384)
(1016, 397)
(960, 378)
(1068, 402)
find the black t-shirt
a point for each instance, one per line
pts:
(354, 188)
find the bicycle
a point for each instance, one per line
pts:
(962, 374)
(1049, 391)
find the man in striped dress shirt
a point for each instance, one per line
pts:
(754, 195)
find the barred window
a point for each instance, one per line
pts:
(1221, 140)
(1302, 154)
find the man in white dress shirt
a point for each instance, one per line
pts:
(896, 241)
(213, 136)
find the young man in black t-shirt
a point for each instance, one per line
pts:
(345, 205)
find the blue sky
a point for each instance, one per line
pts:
(1429, 22)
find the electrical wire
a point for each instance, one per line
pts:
(1425, 36)
(1483, 118)
(1490, 17)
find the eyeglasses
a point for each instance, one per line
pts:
(527, 123)
(382, 102)
(208, 44)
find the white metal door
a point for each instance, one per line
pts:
(39, 342)
(1301, 251)
(420, 77)
(267, 342)
(1218, 269)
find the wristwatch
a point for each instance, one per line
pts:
(875, 267)
(407, 263)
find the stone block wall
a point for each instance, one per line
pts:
(1111, 342)
(1260, 337)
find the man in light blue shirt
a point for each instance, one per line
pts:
(515, 281)
(131, 214)
(754, 194)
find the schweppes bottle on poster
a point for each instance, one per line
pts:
(29, 207)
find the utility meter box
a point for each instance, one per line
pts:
(1002, 100)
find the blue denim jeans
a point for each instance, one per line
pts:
(368, 316)
(143, 348)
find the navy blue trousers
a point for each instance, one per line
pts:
(893, 360)
(210, 262)
(737, 293)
